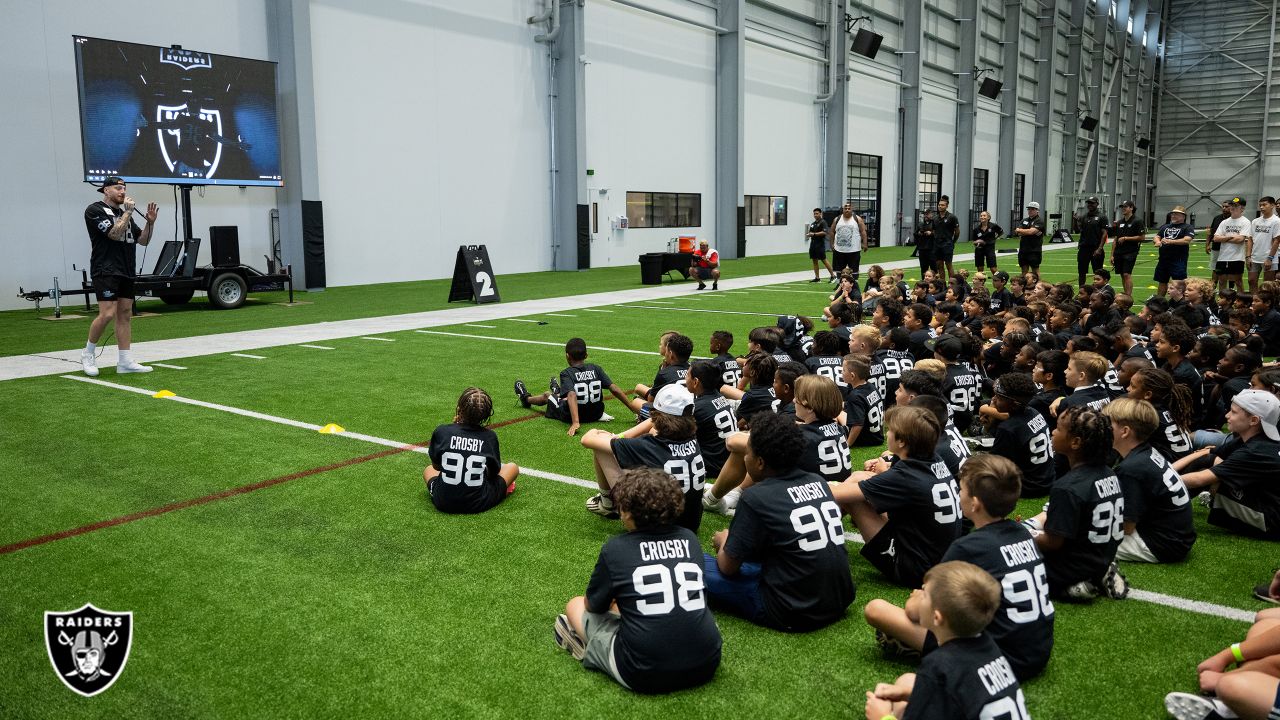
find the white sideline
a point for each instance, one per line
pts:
(718, 312)
(592, 348)
(316, 347)
(246, 355)
(1195, 606)
(58, 362)
(171, 367)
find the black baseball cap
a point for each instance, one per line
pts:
(110, 181)
(948, 346)
(1091, 201)
(1001, 275)
(1129, 204)
(1236, 200)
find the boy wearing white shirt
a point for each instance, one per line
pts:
(1234, 234)
(1263, 242)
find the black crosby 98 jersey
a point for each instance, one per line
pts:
(681, 460)
(668, 375)
(1156, 499)
(791, 525)
(730, 369)
(830, 367)
(468, 459)
(864, 408)
(755, 400)
(588, 383)
(1086, 508)
(826, 450)
(887, 367)
(922, 502)
(952, 449)
(962, 389)
(1172, 441)
(966, 679)
(669, 639)
(1024, 439)
(716, 422)
(1023, 626)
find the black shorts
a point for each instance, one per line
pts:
(558, 409)
(1030, 258)
(842, 260)
(112, 287)
(1123, 264)
(818, 249)
(1229, 267)
(883, 554)
(943, 253)
(984, 256)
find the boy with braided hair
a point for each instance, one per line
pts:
(466, 474)
(1173, 406)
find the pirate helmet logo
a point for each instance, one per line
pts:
(88, 647)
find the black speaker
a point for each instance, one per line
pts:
(313, 244)
(990, 88)
(1143, 143)
(1088, 123)
(224, 245)
(866, 43)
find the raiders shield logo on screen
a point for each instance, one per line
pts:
(88, 647)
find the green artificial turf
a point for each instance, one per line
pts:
(341, 593)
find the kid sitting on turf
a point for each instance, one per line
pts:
(675, 349)
(908, 512)
(1023, 434)
(828, 358)
(1157, 508)
(758, 372)
(721, 341)
(784, 386)
(712, 413)
(1023, 627)
(466, 474)
(671, 446)
(576, 398)
(863, 406)
(629, 625)
(782, 562)
(967, 677)
(1085, 519)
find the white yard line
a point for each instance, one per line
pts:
(171, 367)
(379, 339)
(721, 312)
(486, 327)
(246, 355)
(316, 347)
(560, 315)
(596, 310)
(591, 348)
(661, 302)
(806, 292)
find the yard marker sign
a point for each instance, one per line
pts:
(473, 277)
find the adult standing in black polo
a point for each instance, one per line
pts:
(1129, 232)
(985, 234)
(818, 242)
(924, 242)
(1093, 238)
(946, 230)
(1030, 232)
(112, 266)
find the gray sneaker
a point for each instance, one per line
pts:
(1114, 584)
(895, 648)
(1185, 706)
(602, 505)
(568, 639)
(1082, 591)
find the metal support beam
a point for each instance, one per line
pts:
(835, 113)
(1071, 112)
(289, 43)
(1046, 58)
(1136, 99)
(1155, 28)
(570, 239)
(1012, 38)
(1115, 120)
(1266, 104)
(1091, 181)
(966, 112)
(731, 236)
(909, 120)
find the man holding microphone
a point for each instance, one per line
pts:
(112, 266)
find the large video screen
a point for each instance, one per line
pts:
(169, 115)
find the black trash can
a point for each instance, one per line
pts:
(651, 269)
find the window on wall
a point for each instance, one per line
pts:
(663, 209)
(1019, 198)
(929, 186)
(979, 204)
(862, 191)
(766, 210)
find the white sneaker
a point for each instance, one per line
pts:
(606, 417)
(731, 500)
(1185, 706)
(87, 362)
(711, 503)
(132, 367)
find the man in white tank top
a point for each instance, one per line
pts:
(849, 239)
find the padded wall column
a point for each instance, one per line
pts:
(731, 234)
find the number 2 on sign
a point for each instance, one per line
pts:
(485, 281)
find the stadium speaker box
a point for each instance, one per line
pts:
(1143, 143)
(313, 265)
(990, 88)
(866, 43)
(224, 245)
(1089, 123)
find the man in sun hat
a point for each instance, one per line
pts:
(1245, 475)
(1174, 240)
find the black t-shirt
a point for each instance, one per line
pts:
(681, 460)
(755, 400)
(1001, 300)
(962, 389)
(989, 235)
(1187, 374)
(1024, 439)
(826, 450)
(844, 332)
(863, 407)
(1156, 499)
(1041, 402)
(716, 421)
(966, 679)
(589, 383)
(669, 639)
(1023, 626)
(791, 525)
(110, 257)
(668, 375)
(1095, 396)
(1033, 242)
(1128, 228)
(1086, 508)
(1269, 330)
(818, 226)
(1139, 350)
(887, 367)
(945, 229)
(731, 371)
(1177, 231)
(918, 349)
(830, 367)
(923, 506)
(1170, 440)
(952, 449)
(1216, 416)
(468, 459)
(1248, 491)
(1213, 228)
(1092, 228)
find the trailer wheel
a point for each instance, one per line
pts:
(227, 291)
(178, 298)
